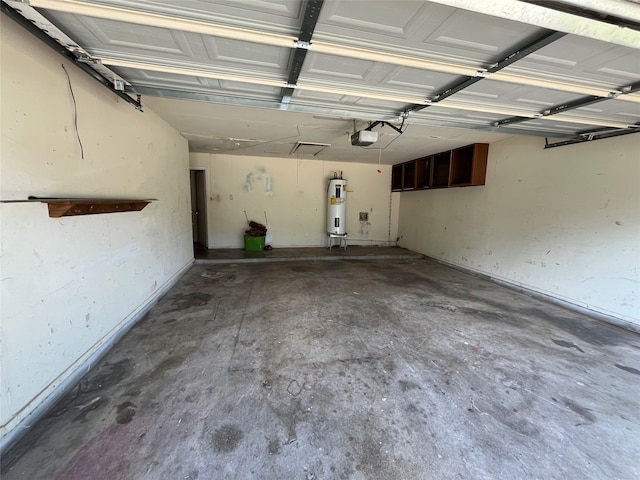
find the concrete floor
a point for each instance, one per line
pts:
(351, 369)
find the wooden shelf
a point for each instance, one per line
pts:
(67, 207)
(461, 167)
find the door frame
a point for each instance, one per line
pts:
(201, 204)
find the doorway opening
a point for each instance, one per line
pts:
(199, 208)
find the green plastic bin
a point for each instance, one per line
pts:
(254, 244)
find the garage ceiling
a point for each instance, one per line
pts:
(254, 77)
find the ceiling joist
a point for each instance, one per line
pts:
(37, 25)
(364, 93)
(571, 105)
(591, 136)
(518, 53)
(322, 47)
(455, 57)
(545, 17)
(139, 17)
(309, 21)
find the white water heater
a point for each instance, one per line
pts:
(337, 208)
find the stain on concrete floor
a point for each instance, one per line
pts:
(227, 438)
(351, 369)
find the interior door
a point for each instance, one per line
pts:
(194, 206)
(201, 203)
(199, 206)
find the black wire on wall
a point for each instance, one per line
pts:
(75, 112)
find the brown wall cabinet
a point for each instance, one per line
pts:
(460, 167)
